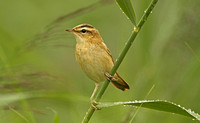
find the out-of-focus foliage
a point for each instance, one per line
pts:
(37, 55)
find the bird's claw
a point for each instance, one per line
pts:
(109, 77)
(94, 105)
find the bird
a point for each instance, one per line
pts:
(94, 57)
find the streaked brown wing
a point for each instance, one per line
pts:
(107, 50)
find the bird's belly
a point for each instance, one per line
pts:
(94, 63)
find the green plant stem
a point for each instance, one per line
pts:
(120, 58)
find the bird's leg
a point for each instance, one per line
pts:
(109, 77)
(94, 92)
(92, 101)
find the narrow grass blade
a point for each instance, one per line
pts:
(161, 105)
(6, 99)
(127, 8)
(56, 116)
(20, 115)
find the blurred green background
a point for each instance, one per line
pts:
(39, 74)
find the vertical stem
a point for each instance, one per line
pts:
(121, 57)
(88, 115)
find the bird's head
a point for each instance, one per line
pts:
(85, 32)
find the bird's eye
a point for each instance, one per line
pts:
(83, 30)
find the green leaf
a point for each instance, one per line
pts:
(127, 8)
(161, 105)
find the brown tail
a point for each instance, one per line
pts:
(120, 83)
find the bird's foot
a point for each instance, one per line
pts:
(109, 77)
(94, 104)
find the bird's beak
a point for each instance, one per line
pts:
(69, 30)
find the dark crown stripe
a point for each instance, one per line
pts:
(86, 25)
